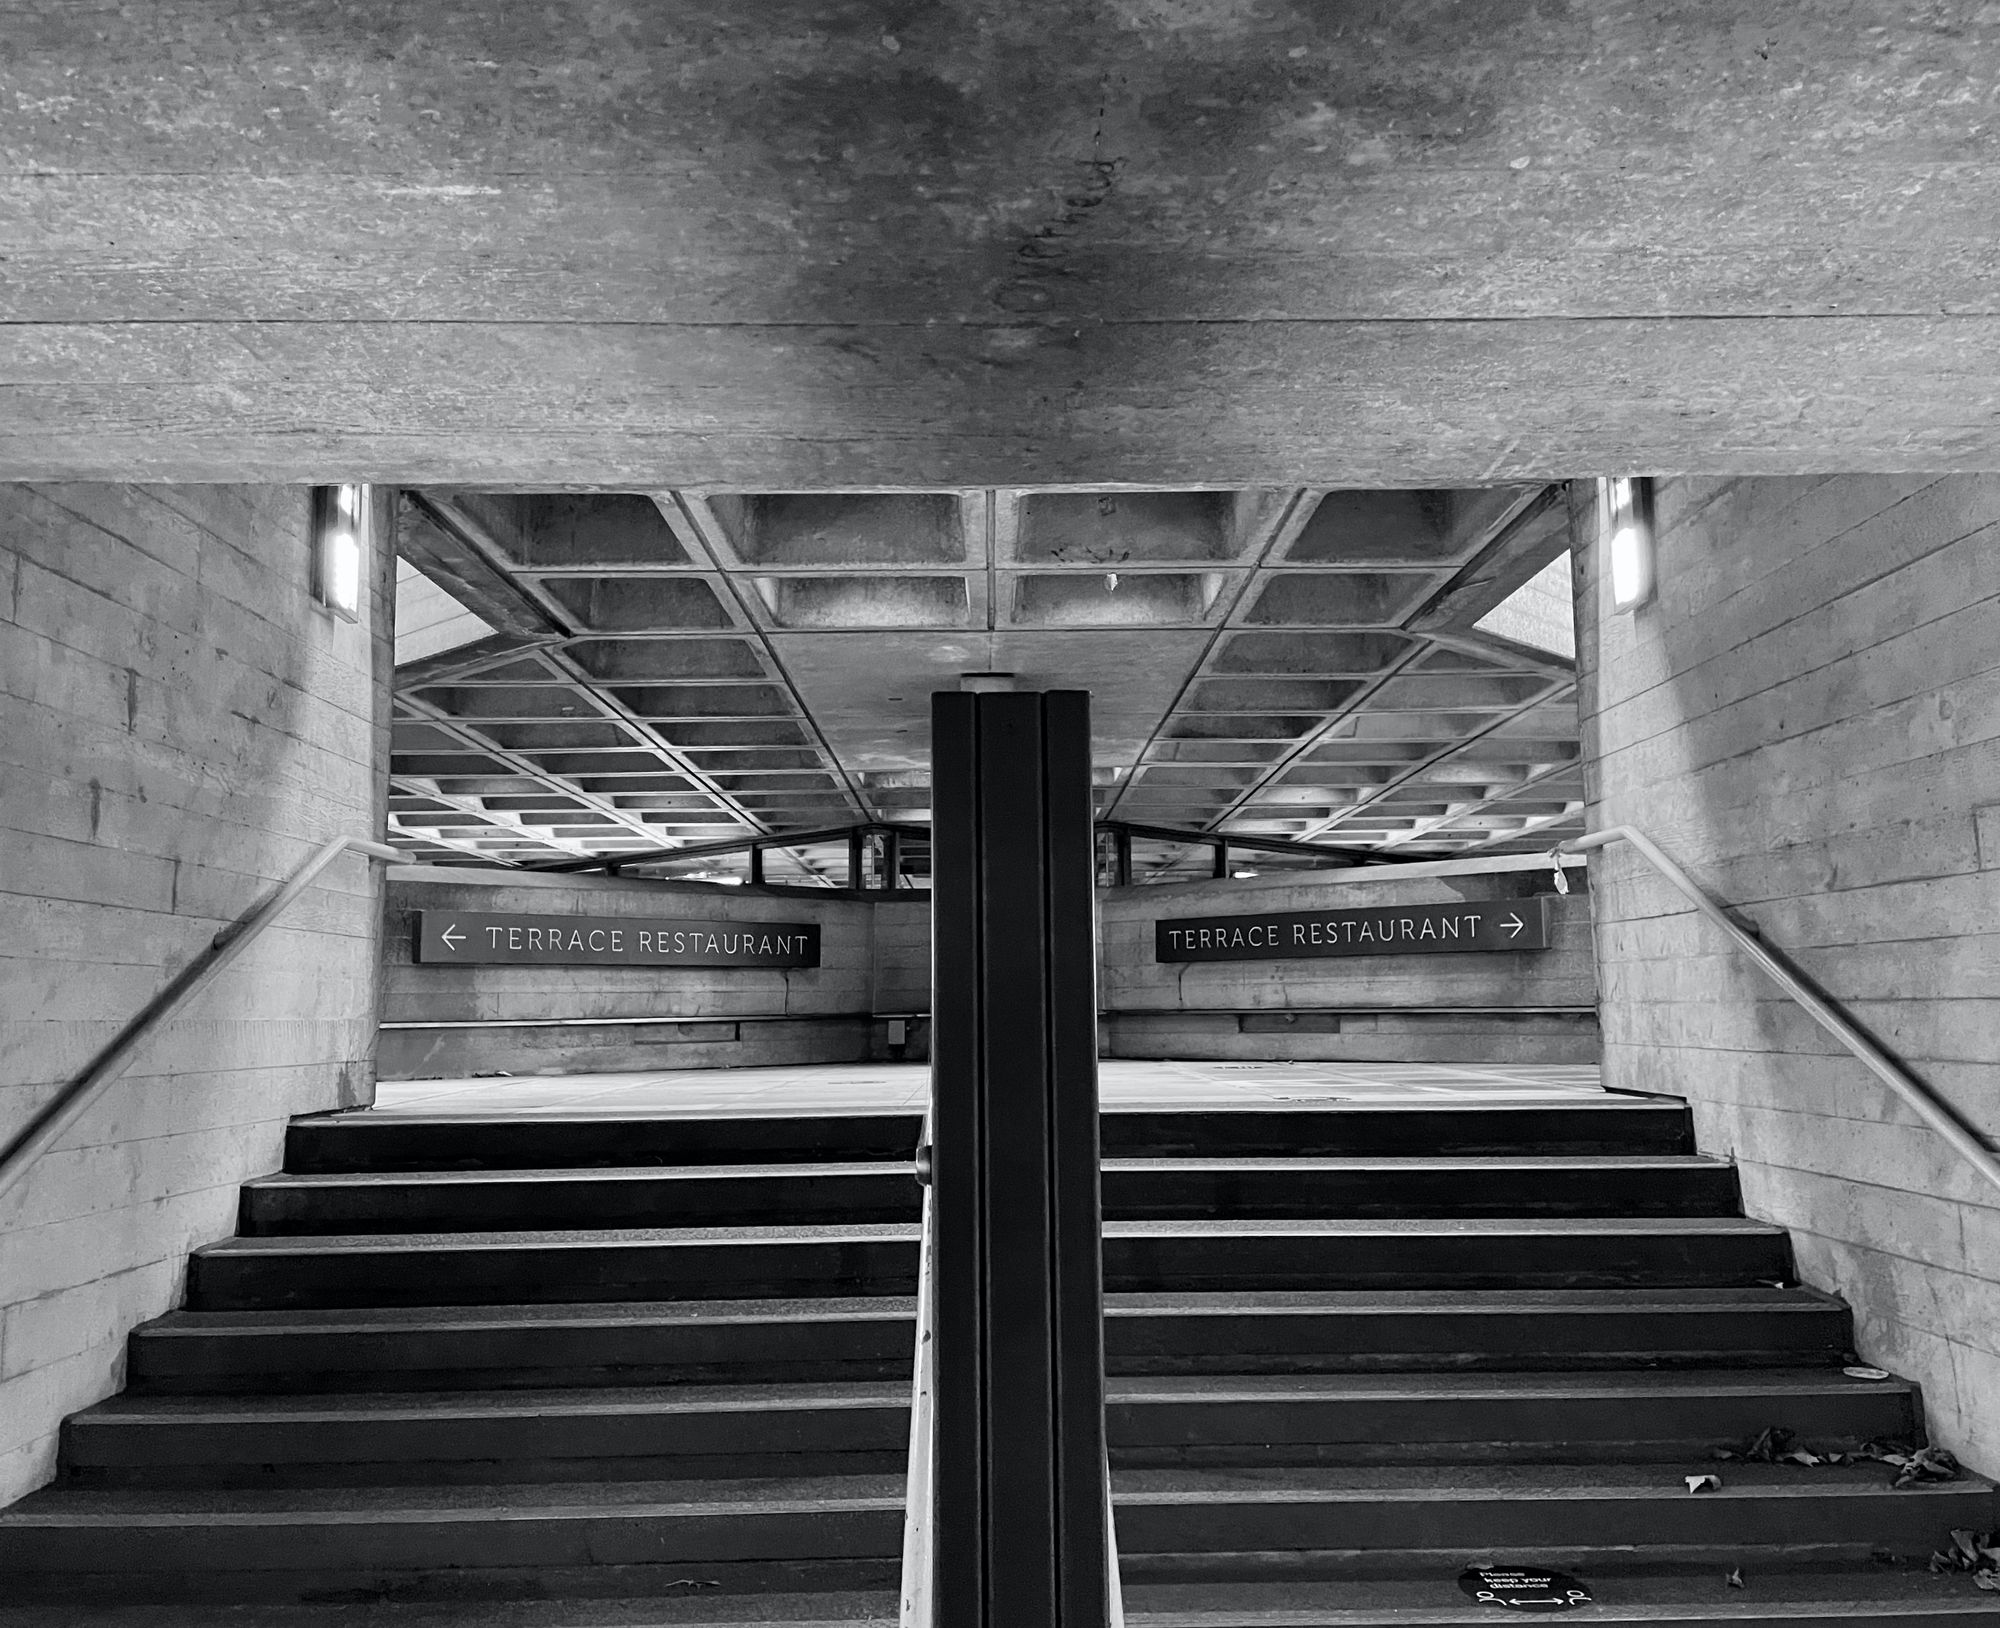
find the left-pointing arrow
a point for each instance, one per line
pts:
(1513, 924)
(451, 936)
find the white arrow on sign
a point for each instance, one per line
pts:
(451, 936)
(1513, 924)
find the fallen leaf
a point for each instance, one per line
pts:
(1702, 1483)
(1735, 1578)
(1799, 1455)
(1988, 1580)
(1926, 1464)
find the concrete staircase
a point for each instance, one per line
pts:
(572, 1370)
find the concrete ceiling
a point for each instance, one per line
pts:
(687, 666)
(851, 243)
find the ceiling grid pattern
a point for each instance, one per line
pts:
(684, 667)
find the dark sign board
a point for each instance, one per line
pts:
(1405, 929)
(463, 938)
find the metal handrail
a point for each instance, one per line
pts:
(1940, 1116)
(42, 1131)
(918, 1497)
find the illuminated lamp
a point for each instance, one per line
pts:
(1628, 518)
(339, 546)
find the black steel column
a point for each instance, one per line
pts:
(1020, 1535)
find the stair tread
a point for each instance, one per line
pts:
(1445, 1302)
(185, 1324)
(907, 1232)
(844, 1608)
(482, 1501)
(379, 1243)
(317, 1180)
(1563, 1481)
(312, 1180)
(1452, 1225)
(1776, 1383)
(1769, 1594)
(1219, 1303)
(1607, 1103)
(1410, 1163)
(432, 1406)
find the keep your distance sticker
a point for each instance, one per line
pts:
(1523, 1589)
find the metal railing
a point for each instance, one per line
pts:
(1940, 1116)
(920, 1494)
(41, 1131)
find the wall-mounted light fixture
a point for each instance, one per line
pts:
(1628, 531)
(339, 546)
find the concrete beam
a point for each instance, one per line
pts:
(649, 247)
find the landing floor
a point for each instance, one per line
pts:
(848, 1088)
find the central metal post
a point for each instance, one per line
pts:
(1020, 1535)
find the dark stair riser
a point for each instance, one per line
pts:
(806, 1439)
(1619, 1126)
(1297, 1194)
(357, 1142)
(634, 1444)
(278, 1209)
(483, 1592)
(1522, 1429)
(670, 1351)
(1443, 1260)
(1239, 1341)
(1333, 1342)
(354, 1142)
(475, 1537)
(524, 1274)
(1467, 1523)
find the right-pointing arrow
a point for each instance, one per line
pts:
(1513, 924)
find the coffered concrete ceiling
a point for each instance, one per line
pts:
(684, 667)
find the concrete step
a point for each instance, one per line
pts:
(364, 1140)
(813, 1194)
(1816, 1596)
(795, 1194)
(485, 1347)
(1506, 1418)
(407, 1543)
(1512, 1185)
(692, 1607)
(459, 1268)
(1287, 1524)
(601, 1433)
(708, 1430)
(632, 1263)
(1444, 1252)
(832, 1338)
(357, 1141)
(1327, 1331)
(1606, 1125)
